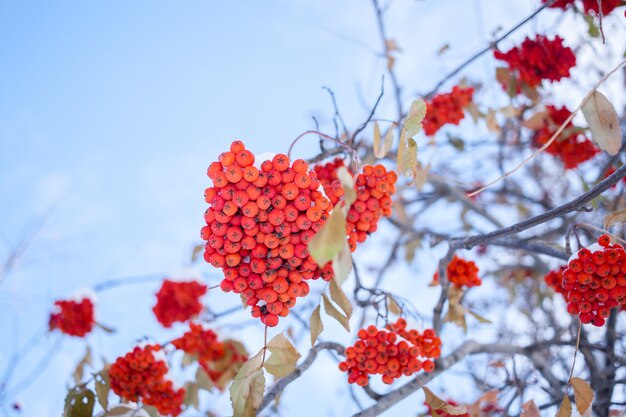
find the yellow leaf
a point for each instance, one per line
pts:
(347, 183)
(615, 217)
(381, 150)
(440, 407)
(536, 121)
(342, 264)
(479, 317)
(583, 395)
(565, 410)
(330, 239)
(401, 160)
(376, 139)
(603, 122)
(529, 409)
(284, 356)
(246, 393)
(456, 312)
(413, 121)
(339, 297)
(393, 306)
(332, 311)
(411, 164)
(492, 122)
(316, 325)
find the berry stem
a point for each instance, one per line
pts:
(353, 153)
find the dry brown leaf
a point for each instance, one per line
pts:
(603, 122)
(583, 395)
(316, 325)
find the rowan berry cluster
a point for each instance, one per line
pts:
(588, 5)
(374, 188)
(446, 108)
(390, 352)
(74, 318)
(572, 147)
(139, 375)
(554, 280)
(461, 273)
(327, 175)
(201, 343)
(178, 301)
(595, 281)
(258, 226)
(539, 59)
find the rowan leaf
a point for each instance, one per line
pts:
(479, 317)
(456, 312)
(402, 152)
(102, 387)
(536, 121)
(126, 410)
(203, 380)
(529, 409)
(339, 297)
(284, 356)
(79, 371)
(347, 183)
(196, 252)
(342, 263)
(603, 122)
(565, 410)
(316, 325)
(583, 395)
(411, 161)
(246, 391)
(614, 218)
(376, 139)
(382, 150)
(492, 122)
(191, 395)
(329, 240)
(421, 176)
(439, 407)
(414, 119)
(79, 403)
(332, 311)
(393, 306)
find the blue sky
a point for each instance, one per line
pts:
(111, 111)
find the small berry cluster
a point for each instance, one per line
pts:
(258, 227)
(595, 281)
(588, 5)
(139, 375)
(202, 343)
(327, 175)
(374, 188)
(539, 59)
(446, 108)
(572, 147)
(461, 273)
(381, 351)
(178, 301)
(554, 280)
(74, 318)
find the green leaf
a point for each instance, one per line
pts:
(316, 325)
(329, 240)
(332, 311)
(413, 121)
(284, 356)
(583, 395)
(102, 388)
(246, 393)
(79, 403)
(191, 395)
(603, 122)
(339, 297)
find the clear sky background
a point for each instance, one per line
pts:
(111, 111)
